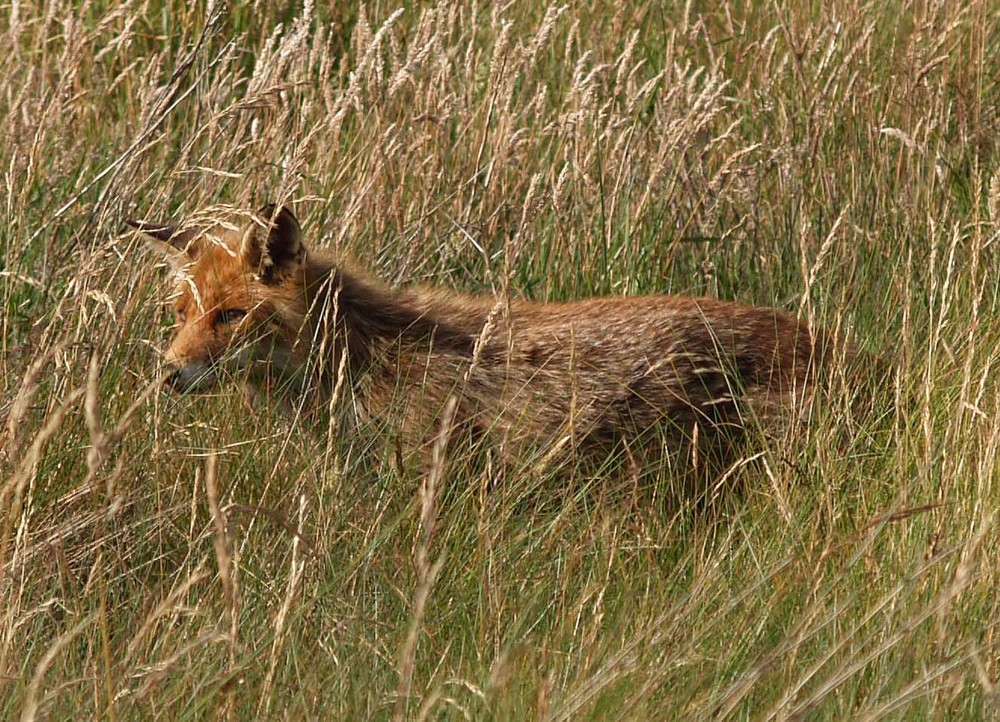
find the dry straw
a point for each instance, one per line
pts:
(840, 162)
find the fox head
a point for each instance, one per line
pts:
(239, 289)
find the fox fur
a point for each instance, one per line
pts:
(653, 372)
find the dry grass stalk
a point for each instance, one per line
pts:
(223, 554)
(841, 163)
(280, 620)
(427, 571)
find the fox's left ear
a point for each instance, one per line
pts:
(272, 245)
(179, 247)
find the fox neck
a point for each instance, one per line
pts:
(369, 324)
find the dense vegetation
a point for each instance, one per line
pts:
(185, 556)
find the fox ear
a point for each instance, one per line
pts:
(272, 245)
(177, 246)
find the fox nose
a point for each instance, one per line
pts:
(173, 379)
(189, 377)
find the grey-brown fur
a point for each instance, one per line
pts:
(595, 373)
(588, 376)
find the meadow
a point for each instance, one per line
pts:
(184, 557)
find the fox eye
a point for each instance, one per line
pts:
(231, 315)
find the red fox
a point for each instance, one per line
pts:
(253, 302)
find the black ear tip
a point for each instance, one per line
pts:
(146, 226)
(163, 232)
(160, 231)
(272, 212)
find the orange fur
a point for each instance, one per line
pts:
(587, 374)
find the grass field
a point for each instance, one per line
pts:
(191, 557)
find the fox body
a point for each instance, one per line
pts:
(253, 302)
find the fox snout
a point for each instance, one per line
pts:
(189, 377)
(199, 356)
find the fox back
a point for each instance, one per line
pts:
(653, 372)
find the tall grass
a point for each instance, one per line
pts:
(177, 557)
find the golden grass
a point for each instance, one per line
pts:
(185, 557)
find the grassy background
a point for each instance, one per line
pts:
(180, 557)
